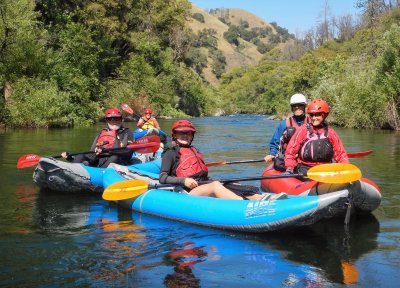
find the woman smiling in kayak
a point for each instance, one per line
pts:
(314, 143)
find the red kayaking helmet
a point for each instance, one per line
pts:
(318, 106)
(148, 111)
(113, 112)
(183, 126)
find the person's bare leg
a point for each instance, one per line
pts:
(216, 189)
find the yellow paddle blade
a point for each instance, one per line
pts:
(125, 190)
(334, 173)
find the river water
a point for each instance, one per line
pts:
(51, 240)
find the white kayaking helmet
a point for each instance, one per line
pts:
(298, 99)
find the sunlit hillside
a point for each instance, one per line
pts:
(244, 53)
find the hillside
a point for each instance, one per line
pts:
(235, 16)
(242, 53)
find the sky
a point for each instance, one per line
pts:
(298, 16)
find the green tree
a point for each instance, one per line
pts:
(74, 65)
(39, 103)
(388, 75)
(198, 16)
(22, 48)
(196, 59)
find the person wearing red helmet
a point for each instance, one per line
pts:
(147, 121)
(113, 136)
(314, 143)
(183, 165)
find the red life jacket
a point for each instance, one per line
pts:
(107, 136)
(291, 126)
(190, 163)
(317, 148)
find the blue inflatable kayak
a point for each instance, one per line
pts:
(238, 215)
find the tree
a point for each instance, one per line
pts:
(232, 36)
(388, 75)
(22, 48)
(325, 27)
(346, 27)
(371, 9)
(198, 16)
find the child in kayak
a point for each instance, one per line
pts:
(183, 165)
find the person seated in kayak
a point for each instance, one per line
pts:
(286, 129)
(314, 143)
(183, 165)
(147, 121)
(113, 136)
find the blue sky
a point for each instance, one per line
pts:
(297, 16)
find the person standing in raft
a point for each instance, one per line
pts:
(314, 143)
(183, 165)
(147, 121)
(113, 136)
(285, 131)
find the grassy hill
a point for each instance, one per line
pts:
(243, 52)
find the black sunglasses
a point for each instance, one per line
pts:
(315, 114)
(114, 118)
(184, 132)
(297, 105)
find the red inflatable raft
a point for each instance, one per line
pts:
(366, 196)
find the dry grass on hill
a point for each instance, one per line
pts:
(246, 55)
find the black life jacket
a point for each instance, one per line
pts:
(317, 148)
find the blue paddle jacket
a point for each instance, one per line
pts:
(274, 144)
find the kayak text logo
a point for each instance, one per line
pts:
(260, 208)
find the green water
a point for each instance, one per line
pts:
(50, 240)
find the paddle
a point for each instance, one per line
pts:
(359, 154)
(326, 173)
(350, 155)
(130, 111)
(233, 162)
(146, 144)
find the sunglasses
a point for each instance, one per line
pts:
(298, 106)
(114, 119)
(183, 132)
(315, 114)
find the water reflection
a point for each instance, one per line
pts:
(61, 213)
(98, 243)
(325, 253)
(120, 246)
(183, 261)
(26, 196)
(330, 246)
